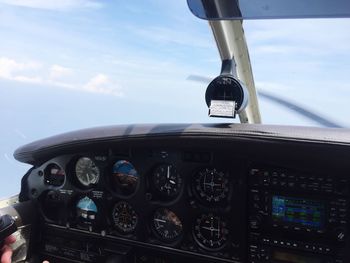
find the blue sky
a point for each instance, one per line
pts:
(72, 64)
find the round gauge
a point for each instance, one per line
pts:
(86, 210)
(166, 180)
(124, 217)
(54, 175)
(227, 88)
(167, 225)
(124, 177)
(210, 232)
(210, 185)
(87, 172)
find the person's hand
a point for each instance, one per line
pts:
(6, 250)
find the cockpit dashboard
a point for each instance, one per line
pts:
(202, 193)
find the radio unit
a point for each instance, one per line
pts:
(297, 218)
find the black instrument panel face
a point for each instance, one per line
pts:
(176, 199)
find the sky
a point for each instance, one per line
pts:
(73, 64)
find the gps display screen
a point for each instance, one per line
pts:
(297, 211)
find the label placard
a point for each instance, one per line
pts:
(222, 108)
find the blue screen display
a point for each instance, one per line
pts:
(298, 211)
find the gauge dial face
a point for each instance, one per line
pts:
(87, 172)
(124, 177)
(211, 186)
(210, 232)
(225, 88)
(167, 225)
(86, 210)
(124, 217)
(166, 180)
(54, 175)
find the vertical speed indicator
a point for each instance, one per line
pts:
(167, 225)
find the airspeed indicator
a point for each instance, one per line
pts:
(87, 172)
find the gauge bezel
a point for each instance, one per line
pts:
(45, 207)
(223, 202)
(169, 242)
(76, 178)
(96, 223)
(157, 192)
(120, 229)
(46, 171)
(199, 243)
(117, 191)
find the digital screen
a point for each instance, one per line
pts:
(298, 211)
(286, 257)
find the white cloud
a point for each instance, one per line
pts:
(54, 5)
(57, 72)
(34, 80)
(27, 72)
(102, 84)
(13, 70)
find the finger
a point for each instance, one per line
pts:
(6, 254)
(10, 239)
(46, 261)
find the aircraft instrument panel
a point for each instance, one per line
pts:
(191, 200)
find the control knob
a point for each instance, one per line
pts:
(340, 234)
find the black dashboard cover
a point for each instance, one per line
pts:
(36, 151)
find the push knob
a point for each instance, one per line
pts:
(340, 234)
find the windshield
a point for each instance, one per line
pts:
(67, 65)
